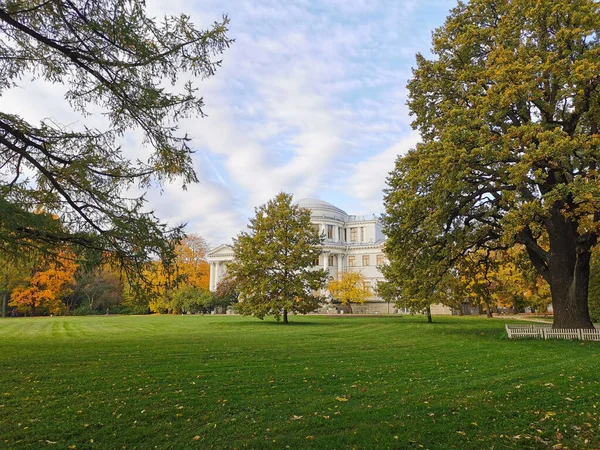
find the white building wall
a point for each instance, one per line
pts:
(338, 245)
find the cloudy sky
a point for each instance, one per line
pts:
(310, 99)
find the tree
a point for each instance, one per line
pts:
(595, 286)
(158, 291)
(14, 272)
(508, 112)
(192, 299)
(190, 260)
(68, 183)
(51, 281)
(188, 269)
(226, 291)
(273, 262)
(349, 289)
(517, 283)
(403, 293)
(97, 289)
(476, 274)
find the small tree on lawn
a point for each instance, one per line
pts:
(226, 292)
(272, 265)
(349, 289)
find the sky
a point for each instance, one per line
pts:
(310, 99)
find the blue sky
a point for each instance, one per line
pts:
(310, 99)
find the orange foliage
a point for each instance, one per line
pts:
(193, 270)
(51, 281)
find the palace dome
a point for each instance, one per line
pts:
(321, 208)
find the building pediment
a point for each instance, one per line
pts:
(223, 250)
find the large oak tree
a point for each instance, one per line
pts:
(68, 183)
(508, 110)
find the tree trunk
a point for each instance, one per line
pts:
(285, 315)
(567, 270)
(5, 297)
(488, 309)
(429, 320)
(5, 304)
(569, 279)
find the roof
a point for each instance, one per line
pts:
(315, 203)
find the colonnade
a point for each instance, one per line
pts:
(338, 261)
(215, 269)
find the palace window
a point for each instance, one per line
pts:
(330, 260)
(366, 260)
(380, 260)
(351, 261)
(329, 231)
(316, 261)
(367, 286)
(353, 234)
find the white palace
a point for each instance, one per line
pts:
(352, 243)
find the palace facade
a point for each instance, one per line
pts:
(352, 243)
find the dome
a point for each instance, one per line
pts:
(321, 207)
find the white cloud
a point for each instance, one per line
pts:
(369, 177)
(310, 99)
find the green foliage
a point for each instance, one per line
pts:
(135, 300)
(68, 183)
(273, 261)
(594, 296)
(192, 299)
(85, 310)
(97, 290)
(508, 111)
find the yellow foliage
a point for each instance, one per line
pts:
(349, 288)
(190, 269)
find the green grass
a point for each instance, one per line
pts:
(234, 382)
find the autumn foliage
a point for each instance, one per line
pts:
(51, 280)
(349, 289)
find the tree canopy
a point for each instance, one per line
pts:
(67, 183)
(273, 262)
(508, 110)
(349, 289)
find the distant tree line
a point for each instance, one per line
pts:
(40, 284)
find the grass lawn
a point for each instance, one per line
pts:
(321, 382)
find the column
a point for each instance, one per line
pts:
(211, 285)
(340, 265)
(326, 260)
(217, 264)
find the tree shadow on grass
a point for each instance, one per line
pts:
(324, 321)
(270, 322)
